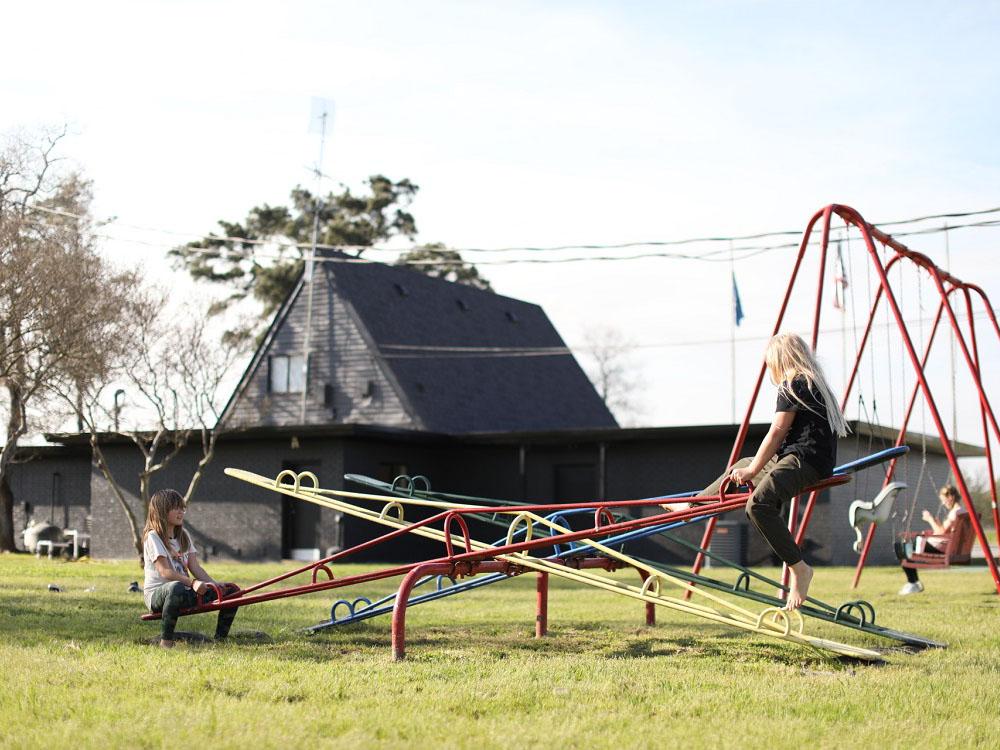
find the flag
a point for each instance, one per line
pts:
(737, 307)
(840, 282)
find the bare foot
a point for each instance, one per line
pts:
(802, 576)
(166, 644)
(674, 507)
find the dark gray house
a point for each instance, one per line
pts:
(378, 370)
(391, 347)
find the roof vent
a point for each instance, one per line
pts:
(462, 305)
(511, 317)
(369, 389)
(400, 289)
(421, 388)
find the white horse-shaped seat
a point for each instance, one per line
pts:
(873, 511)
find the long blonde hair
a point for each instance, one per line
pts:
(161, 503)
(788, 357)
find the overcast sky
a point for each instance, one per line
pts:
(551, 123)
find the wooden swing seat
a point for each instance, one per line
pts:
(957, 550)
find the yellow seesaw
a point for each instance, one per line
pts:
(773, 622)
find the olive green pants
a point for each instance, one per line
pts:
(777, 483)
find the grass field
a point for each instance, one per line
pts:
(76, 671)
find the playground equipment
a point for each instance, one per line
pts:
(945, 285)
(873, 511)
(526, 531)
(511, 556)
(843, 615)
(575, 553)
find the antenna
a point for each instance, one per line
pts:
(320, 117)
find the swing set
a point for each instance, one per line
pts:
(946, 286)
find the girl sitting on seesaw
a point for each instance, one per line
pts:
(173, 575)
(799, 450)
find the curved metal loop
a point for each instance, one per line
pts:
(559, 519)
(847, 610)
(653, 581)
(441, 580)
(352, 607)
(529, 527)
(325, 569)
(453, 516)
(409, 484)
(784, 616)
(306, 475)
(743, 579)
(388, 507)
(426, 481)
(201, 594)
(336, 606)
(294, 484)
(602, 512)
(776, 614)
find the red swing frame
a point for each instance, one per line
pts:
(940, 278)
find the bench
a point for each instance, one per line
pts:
(52, 547)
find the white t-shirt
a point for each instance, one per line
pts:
(940, 542)
(153, 548)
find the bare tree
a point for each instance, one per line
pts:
(609, 365)
(177, 381)
(61, 310)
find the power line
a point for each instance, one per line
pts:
(740, 253)
(706, 256)
(430, 351)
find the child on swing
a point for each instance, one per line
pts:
(799, 450)
(173, 575)
(935, 540)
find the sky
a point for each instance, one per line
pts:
(553, 123)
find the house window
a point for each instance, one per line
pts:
(287, 373)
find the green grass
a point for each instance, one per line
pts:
(76, 671)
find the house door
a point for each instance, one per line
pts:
(300, 520)
(575, 483)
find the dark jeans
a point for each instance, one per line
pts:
(778, 482)
(172, 597)
(902, 553)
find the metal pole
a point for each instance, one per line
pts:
(309, 271)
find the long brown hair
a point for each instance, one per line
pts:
(787, 357)
(161, 503)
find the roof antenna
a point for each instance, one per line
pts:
(319, 121)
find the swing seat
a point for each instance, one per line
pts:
(957, 550)
(873, 511)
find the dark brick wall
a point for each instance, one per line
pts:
(39, 495)
(228, 519)
(234, 520)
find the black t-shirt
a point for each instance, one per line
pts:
(810, 437)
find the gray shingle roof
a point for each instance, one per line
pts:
(405, 312)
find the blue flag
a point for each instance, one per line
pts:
(737, 307)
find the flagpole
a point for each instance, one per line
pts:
(732, 335)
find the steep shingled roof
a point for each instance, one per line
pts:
(409, 320)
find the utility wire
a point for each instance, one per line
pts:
(283, 245)
(430, 351)
(740, 253)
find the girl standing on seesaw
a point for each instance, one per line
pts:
(173, 575)
(799, 450)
